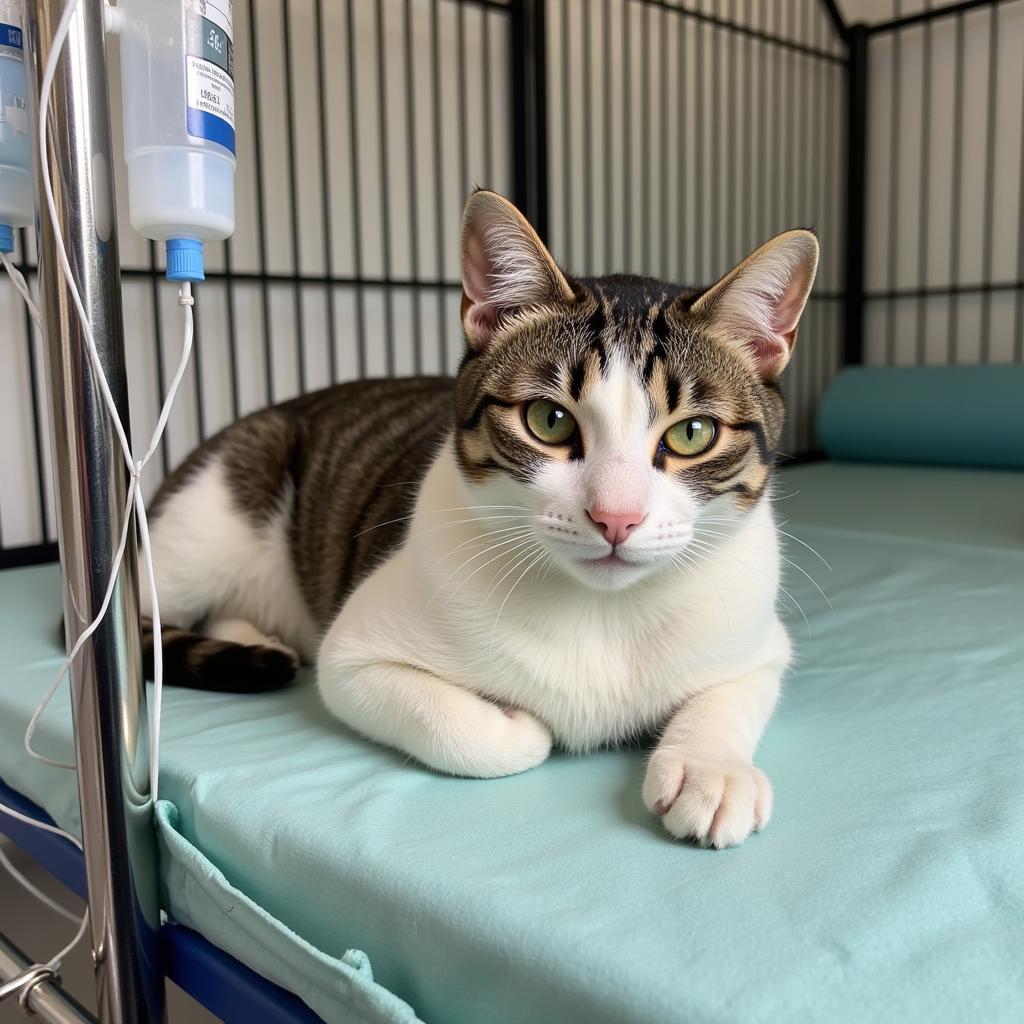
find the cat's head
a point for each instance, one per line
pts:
(618, 412)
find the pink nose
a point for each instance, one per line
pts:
(616, 526)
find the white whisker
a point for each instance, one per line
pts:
(508, 571)
(522, 576)
(762, 581)
(789, 561)
(814, 582)
(472, 519)
(693, 559)
(548, 562)
(513, 544)
(480, 537)
(798, 606)
(806, 545)
(440, 511)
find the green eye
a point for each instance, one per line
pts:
(548, 422)
(690, 437)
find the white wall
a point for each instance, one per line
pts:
(715, 142)
(921, 231)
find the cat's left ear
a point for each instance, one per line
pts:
(505, 267)
(758, 304)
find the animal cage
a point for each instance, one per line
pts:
(362, 126)
(660, 137)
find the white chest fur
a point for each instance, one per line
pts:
(594, 666)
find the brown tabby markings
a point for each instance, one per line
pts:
(191, 659)
(561, 351)
(347, 460)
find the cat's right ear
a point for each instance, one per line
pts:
(505, 267)
(758, 304)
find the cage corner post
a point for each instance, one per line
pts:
(529, 111)
(856, 183)
(107, 685)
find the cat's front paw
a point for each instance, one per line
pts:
(525, 742)
(490, 742)
(715, 802)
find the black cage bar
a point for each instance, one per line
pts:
(943, 223)
(650, 136)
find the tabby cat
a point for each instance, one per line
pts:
(572, 542)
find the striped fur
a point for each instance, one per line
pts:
(198, 662)
(344, 464)
(563, 353)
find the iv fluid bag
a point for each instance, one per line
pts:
(178, 96)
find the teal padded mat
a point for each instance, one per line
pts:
(887, 887)
(939, 415)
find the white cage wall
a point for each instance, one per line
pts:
(674, 138)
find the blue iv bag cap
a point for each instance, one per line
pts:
(185, 260)
(6, 238)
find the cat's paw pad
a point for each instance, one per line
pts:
(714, 802)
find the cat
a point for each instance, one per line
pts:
(571, 542)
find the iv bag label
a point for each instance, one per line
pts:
(211, 103)
(12, 43)
(13, 105)
(209, 73)
(14, 114)
(217, 11)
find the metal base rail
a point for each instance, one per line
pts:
(215, 979)
(44, 998)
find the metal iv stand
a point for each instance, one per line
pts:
(107, 685)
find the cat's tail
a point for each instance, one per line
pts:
(202, 663)
(199, 662)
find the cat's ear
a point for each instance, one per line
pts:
(505, 267)
(758, 304)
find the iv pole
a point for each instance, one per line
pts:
(108, 689)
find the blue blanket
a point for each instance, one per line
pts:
(887, 887)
